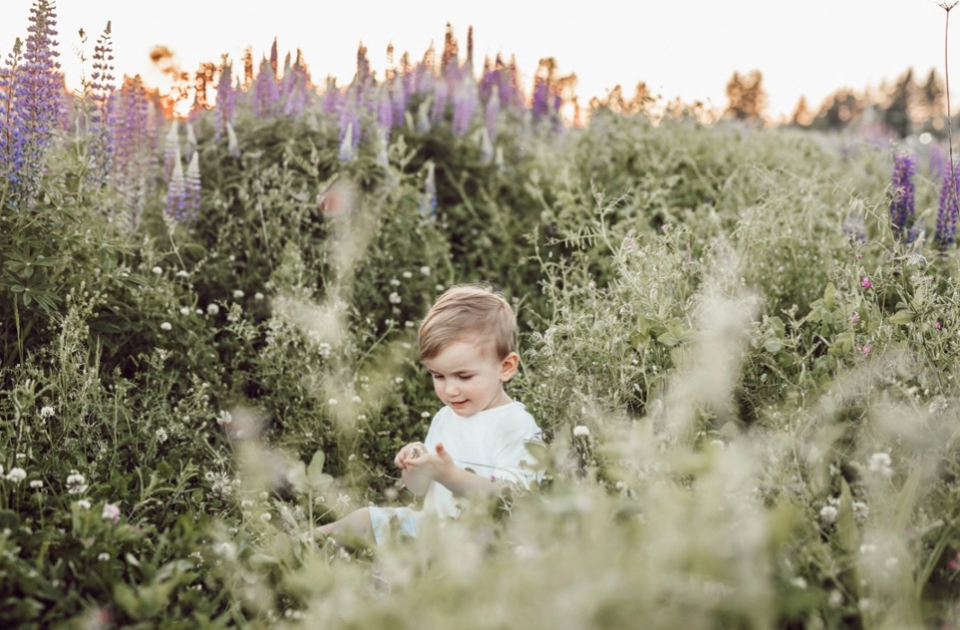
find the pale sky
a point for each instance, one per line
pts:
(681, 48)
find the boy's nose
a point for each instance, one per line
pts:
(452, 389)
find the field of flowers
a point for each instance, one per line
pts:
(741, 342)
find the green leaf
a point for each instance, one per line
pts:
(829, 295)
(901, 317)
(773, 346)
(846, 521)
(9, 520)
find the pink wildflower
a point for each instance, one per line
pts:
(938, 325)
(866, 283)
(111, 512)
(854, 318)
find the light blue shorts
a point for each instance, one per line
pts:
(393, 523)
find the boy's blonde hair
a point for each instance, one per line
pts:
(469, 313)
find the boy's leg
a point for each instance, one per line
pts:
(356, 524)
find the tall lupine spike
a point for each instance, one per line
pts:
(346, 152)
(440, 96)
(949, 207)
(171, 150)
(233, 146)
(349, 120)
(37, 99)
(423, 116)
(465, 103)
(492, 113)
(331, 98)
(135, 144)
(428, 204)
(486, 146)
(295, 89)
(191, 189)
(174, 202)
(399, 96)
(266, 91)
(101, 121)
(191, 143)
(902, 193)
(487, 80)
(225, 108)
(274, 58)
(385, 112)
(11, 157)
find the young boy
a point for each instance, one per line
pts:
(477, 442)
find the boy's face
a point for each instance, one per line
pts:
(468, 378)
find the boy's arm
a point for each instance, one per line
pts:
(441, 468)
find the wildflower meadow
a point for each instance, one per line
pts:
(741, 341)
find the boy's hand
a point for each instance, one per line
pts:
(436, 466)
(407, 453)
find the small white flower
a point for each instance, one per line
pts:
(265, 517)
(829, 514)
(213, 309)
(36, 484)
(860, 511)
(407, 275)
(76, 483)
(16, 475)
(799, 582)
(157, 270)
(395, 298)
(580, 431)
(183, 274)
(332, 402)
(398, 380)
(162, 435)
(258, 296)
(103, 556)
(83, 504)
(46, 412)
(880, 463)
(425, 270)
(425, 414)
(246, 503)
(225, 418)
(439, 288)
(362, 417)
(867, 549)
(835, 598)
(892, 562)
(408, 324)
(111, 512)
(394, 282)
(356, 400)
(237, 294)
(185, 311)
(166, 326)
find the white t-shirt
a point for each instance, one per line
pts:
(491, 443)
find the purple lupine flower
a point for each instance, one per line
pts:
(174, 202)
(347, 150)
(11, 157)
(349, 121)
(266, 92)
(902, 192)
(101, 148)
(541, 98)
(295, 87)
(385, 112)
(191, 189)
(464, 104)
(492, 112)
(37, 96)
(171, 151)
(947, 214)
(233, 145)
(134, 139)
(488, 78)
(936, 161)
(331, 98)
(399, 96)
(225, 109)
(439, 108)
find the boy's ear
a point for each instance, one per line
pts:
(508, 366)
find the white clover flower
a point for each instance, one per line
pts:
(265, 517)
(362, 417)
(157, 270)
(333, 402)
(860, 511)
(225, 418)
(183, 274)
(425, 414)
(408, 324)
(835, 599)
(166, 326)
(76, 483)
(16, 475)
(83, 504)
(36, 484)
(356, 400)
(829, 514)
(407, 275)
(111, 512)
(394, 282)
(880, 463)
(213, 309)
(162, 435)
(185, 311)
(799, 582)
(425, 270)
(237, 294)
(258, 296)
(395, 298)
(398, 380)
(103, 556)
(439, 288)
(246, 503)
(580, 431)
(46, 412)
(867, 549)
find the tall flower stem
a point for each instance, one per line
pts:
(954, 184)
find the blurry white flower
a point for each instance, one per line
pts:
(799, 582)
(425, 270)
(183, 274)
(16, 475)
(185, 311)
(407, 275)
(162, 435)
(246, 503)
(111, 512)
(860, 511)
(166, 326)
(332, 402)
(880, 463)
(103, 556)
(83, 504)
(408, 324)
(36, 484)
(395, 298)
(213, 309)
(398, 380)
(157, 270)
(258, 296)
(439, 288)
(835, 599)
(356, 400)
(46, 412)
(225, 418)
(265, 517)
(892, 562)
(580, 431)
(362, 417)
(425, 414)
(237, 294)
(867, 549)
(829, 514)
